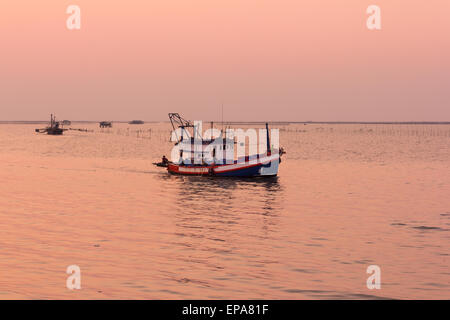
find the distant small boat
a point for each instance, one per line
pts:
(53, 129)
(136, 122)
(66, 122)
(105, 124)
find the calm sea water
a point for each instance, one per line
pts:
(347, 196)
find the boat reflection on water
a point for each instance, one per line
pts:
(222, 228)
(212, 207)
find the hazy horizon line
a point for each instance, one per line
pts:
(236, 122)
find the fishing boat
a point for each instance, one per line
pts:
(54, 128)
(257, 165)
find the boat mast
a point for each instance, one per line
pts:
(269, 151)
(212, 128)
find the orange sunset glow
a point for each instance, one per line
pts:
(308, 60)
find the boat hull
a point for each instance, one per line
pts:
(55, 132)
(266, 166)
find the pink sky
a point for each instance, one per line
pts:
(264, 60)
